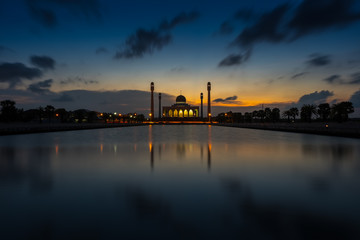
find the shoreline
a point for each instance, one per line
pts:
(21, 128)
(347, 129)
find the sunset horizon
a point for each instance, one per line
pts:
(91, 54)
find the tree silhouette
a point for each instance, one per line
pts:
(275, 114)
(294, 112)
(8, 111)
(49, 110)
(324, 111)
(341, 111)
(307, 110)
(287, 114)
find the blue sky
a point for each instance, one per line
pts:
(262, 52)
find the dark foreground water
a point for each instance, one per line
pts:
(179, 182)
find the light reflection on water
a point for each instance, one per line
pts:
(179, 182)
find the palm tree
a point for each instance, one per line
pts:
(340, 111)
(307, 110)
(275, 114)
(324, 111)
(49, 111)
(267, 112)
(287, 114)
(294, 112)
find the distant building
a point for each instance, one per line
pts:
(181, 109)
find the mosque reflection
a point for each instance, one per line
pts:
(181, 149)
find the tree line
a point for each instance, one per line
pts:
(50, 114)
(323, 112)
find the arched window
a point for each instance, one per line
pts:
(191, 113)
(170, 113)
(181, 114)
(176, 113)
(186, 113)
(197, 113)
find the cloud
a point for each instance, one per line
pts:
(78, 80)
(244, 15)
(286, 23)
(145, 41)
(226, 100)
(235, 59)
(318, 60)
(5, 49)
(44, 12)
(43, 62)
(177, 69)
(41, 87)
(355, 99)
(298, 75)
(337, 79)
(226, 28)
(333, 79)
(315, 97)
(63, 98)
(355, 78)
(13, 73)
(101, 50)
(266, 29)
(314, 16)
(182, 18)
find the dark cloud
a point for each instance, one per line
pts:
(266, 29)
(284, 23)
(355, 99)
(318, 60)
(5, 49)
(145, 41)
(315, 97)
(177, 69)
(78, 80)
(226, 100)
(235, 59)
(45, 11)
(298, 75)
(337, 79)
(43, 62)
(314, 16)
(63, 98)
(182, 18)
(355, 78)
(41, 87)
(244, 15)
(101, 50)
(13, 73)
(333, 79)
(226, 28)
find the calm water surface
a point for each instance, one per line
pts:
(179, 182)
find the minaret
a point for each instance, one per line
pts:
(152, 102)
(159, 106)
(202, 114)
(209, 101)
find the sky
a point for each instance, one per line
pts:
(102, 55)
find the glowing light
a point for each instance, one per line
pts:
(57, 115)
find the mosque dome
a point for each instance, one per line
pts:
(180, 99)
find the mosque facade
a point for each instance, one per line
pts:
(180, 109)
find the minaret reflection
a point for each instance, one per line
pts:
(209, 148)
(151, 149)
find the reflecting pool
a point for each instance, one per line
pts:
(179, 182)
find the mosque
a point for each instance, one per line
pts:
(180, 110)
